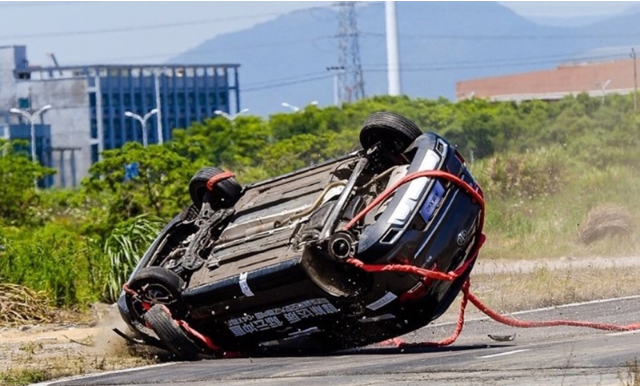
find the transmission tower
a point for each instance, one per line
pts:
(351, 83)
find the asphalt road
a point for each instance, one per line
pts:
(539, 356)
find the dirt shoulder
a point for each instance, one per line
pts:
(33, 353)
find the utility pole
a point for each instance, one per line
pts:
(635, 80)
(393, 58)
(337, 72)
(156, 82)
(350, 79)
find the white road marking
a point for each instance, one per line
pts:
(503, 353)
(623, 333)
(53, 383)
(600, 301)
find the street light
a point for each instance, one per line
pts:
(31, 118)
(229, 117)
(143, 123)
(296, 109)
(603, 86)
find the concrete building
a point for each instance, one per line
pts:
(596, 79)
(89, 102)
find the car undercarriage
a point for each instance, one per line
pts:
(266, 266)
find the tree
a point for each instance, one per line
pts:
(17, 193)
(158, 185)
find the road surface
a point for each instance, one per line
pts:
(539, 356)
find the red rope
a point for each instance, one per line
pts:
(547, 323)
(450, 276)
(217, 178)
(426, 273)
(410, 177)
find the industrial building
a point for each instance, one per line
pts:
(89, 104)
(593, 78)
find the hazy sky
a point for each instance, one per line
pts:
(152, 32)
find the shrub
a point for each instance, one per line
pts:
(527, 175)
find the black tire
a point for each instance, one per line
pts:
(393, 132)
(225, 193)
(155, 285)
(170, 333)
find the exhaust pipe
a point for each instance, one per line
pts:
(341, 246)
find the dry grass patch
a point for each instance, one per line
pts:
(20, 305)
(606, 221)
(544, 287)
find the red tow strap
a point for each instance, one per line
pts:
(450, 276)
(217, 178)
(425, 273)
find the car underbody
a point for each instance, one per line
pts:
(264, 267)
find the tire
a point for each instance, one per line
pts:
(225, 193)
(170, 333)
(155, 285)
(393, 132)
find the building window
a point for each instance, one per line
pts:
(137, 100)
(94, 129)
(223, 99)
(212, 99)
(95, 155)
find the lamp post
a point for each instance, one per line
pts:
(296, 109)
(230, 117)
(31, 118)
(603, 86)
(143, 123)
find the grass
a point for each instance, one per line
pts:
(548, 224)
(631, 377)
(551, 286)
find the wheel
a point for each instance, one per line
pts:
(154, 285)
(393, 132)
(226, 192)
(170, 333)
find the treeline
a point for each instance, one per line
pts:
(79, 245)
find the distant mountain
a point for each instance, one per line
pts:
(285, 60)
(576, 21)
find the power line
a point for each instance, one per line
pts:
(144, 27)
(569, 57)
(22, 4)
(282, 84)
(225, 48)
(502, 36)
(408, 68)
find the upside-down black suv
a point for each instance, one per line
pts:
(266, 266)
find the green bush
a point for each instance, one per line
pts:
(54, 259)
(523, 175)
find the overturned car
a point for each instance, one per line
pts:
(271, 265)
